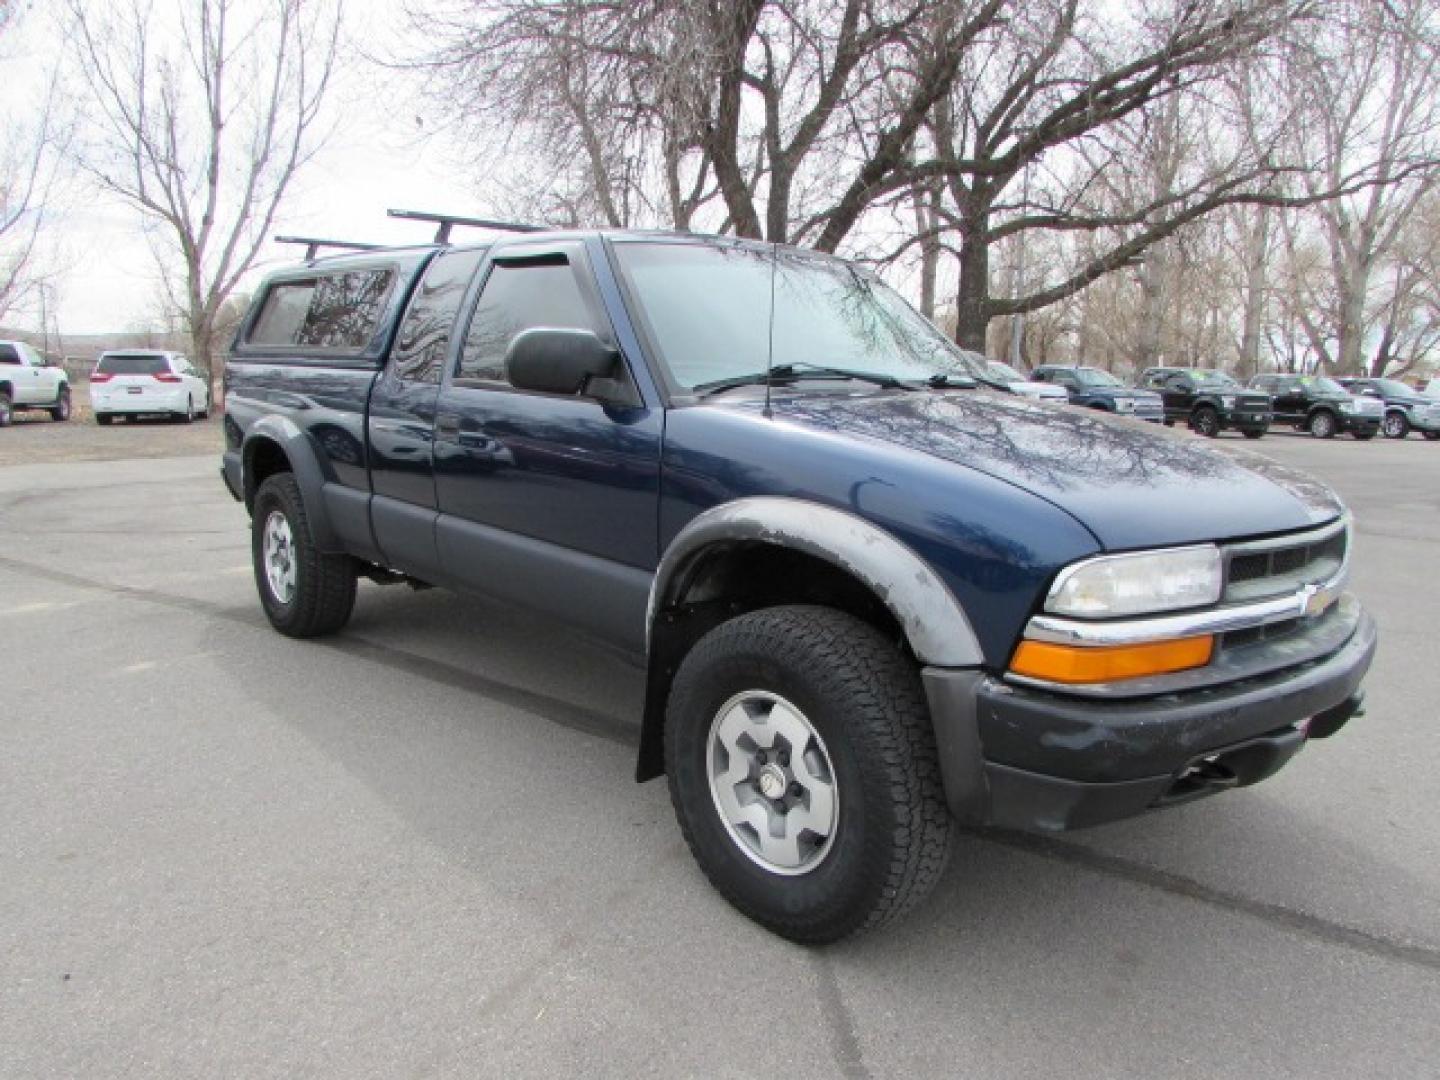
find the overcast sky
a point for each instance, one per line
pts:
(374, 161)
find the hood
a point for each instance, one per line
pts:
(1131, 484)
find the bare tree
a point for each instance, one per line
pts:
(202, 114)
(1370, 87)
(32, 143)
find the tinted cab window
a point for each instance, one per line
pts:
(520, 297)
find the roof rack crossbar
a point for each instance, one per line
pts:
(313, 244)
(447, 221)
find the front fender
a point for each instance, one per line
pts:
(935, 626)
(933, 622)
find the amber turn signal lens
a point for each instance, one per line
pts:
(1109, 663)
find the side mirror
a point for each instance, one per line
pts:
(554, 361)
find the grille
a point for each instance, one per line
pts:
(1283, 565)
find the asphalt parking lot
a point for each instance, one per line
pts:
(416, 849)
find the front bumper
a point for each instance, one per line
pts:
(1361, 422)
(1243, 420)
(1025, 758)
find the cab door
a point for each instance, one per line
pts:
(1177, 392)
(547, 500)
(400, 422)
(1289, 399)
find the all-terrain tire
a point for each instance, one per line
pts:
(60, 411)
(324, 586)
(1396, 425)
(862, 696)
(1323, 424)
(1206, 421)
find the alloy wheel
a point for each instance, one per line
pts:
(772, 782)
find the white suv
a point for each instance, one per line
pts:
(28, 382)
(136, 382)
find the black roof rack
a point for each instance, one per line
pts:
(314, 244)
(448, 221)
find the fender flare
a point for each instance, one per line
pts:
(931, 617)
(304, 464)
(934, 624)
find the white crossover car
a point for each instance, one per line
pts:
(27, 381)
(146, 382)
(1019, 384)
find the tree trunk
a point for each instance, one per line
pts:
(1258, 243)
(1152, 308)
(972, 298)
(1351, 321)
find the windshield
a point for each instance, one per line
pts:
(1323, 383)
(1214, 378)
(132, 364)
(706, 309)
(1096, 377)
(1394, 388)
(1003, 372)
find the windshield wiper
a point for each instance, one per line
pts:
(791, 372)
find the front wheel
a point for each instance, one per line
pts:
(803, 769)
(60, 411)
(1206, 421)
(7, 409)
(1322, 425)
(1396, 425)
(305, 593)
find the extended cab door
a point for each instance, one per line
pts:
(549, 501)
(401, 418)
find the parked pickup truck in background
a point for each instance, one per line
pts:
(28, 382)
(1320, 405)
(1406, 409)
(1209, 401)
(872, 597)
(1093, 388)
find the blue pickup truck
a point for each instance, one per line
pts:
(873, 593)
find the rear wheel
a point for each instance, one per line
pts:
(7, 409)
(188, 416)
(1323, 425)
(1206, 421)
(1396, 425)
(1432, 435)
(104, 418)
(61, 409)
(305, 593)
(803, 769)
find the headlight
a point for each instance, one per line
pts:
(1137, 584)
(1227, 401)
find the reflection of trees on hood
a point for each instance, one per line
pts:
(1061, 448)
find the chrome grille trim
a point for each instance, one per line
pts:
(1288, 563)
